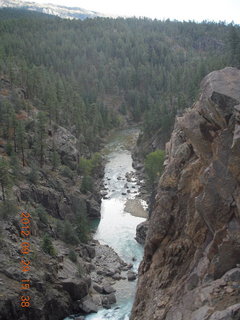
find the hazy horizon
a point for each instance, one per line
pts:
(214, 10)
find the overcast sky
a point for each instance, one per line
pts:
(213, 10)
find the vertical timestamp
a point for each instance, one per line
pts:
(25, 263)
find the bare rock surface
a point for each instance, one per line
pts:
(190, 269)
(135, 207)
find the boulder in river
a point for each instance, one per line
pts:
(135, 207)
(108, 289)
(108, 300)
(87, 305)
(131, 276)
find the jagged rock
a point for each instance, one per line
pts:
(87, 305)
(93, 208)
(192, 246)
(231, 313)
(108, 300)
(117, 276)
(141, 232)
(233, 275)
(66, 145)
(98, 288)
(76, 289)
(88, 251)
(108, 289)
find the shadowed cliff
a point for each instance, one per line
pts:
(191, 265)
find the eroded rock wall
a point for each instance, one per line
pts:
(191, 265)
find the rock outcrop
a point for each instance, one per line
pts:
(191, 265)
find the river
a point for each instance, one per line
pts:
(117, 227)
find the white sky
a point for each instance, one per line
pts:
(213, 10)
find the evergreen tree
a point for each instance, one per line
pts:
(4, 177)
(40, 137)
(21, 140)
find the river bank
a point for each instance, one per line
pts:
(117, 227)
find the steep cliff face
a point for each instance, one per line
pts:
(191, 265)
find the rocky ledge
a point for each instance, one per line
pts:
(190, 269)
(58, 286)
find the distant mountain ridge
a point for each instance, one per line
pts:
(57, 10)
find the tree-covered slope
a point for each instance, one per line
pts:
(143, 68)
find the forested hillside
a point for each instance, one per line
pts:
(145, 69)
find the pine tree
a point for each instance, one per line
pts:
(21, 140)
(40, 135)
(4, 177)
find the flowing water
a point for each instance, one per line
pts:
(117, 228)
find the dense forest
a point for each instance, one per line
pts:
(102, 70)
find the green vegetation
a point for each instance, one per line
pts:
(72, 256)
(234, 42)
(82, 226)
(33, 175)
(101, 69)
(67, 172)
(87, 184)
(154, 165)
(7, 209)
(56, 161)
(69, 234)
(89, 166)
(5, 180)
(42, 214)
(80, 270)
(47, 246)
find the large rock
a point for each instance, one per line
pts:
(77, 289)
(66, 145)
(108, 300)
(93, 208)
(108, 289)
(141, 232)
(88, 306)
(131, 276)
(231, 313)
(192, 249)
(54, 202)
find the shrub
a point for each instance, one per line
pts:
(59, 229)
(69, 235)
(67, 172)
(47, 246)
(80, 271)
(72, 256)
(88, 166)
(55, 159)
(82, 227)
(154, 165)
(87, 184)
(7, 209)
(85, 166)
(33, 176)
(9, 148)
(42, 214)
